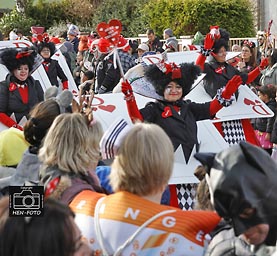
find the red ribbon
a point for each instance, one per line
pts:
(20, 55)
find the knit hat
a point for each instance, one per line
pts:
(112, 138)
(12, 146)
(169, 32)
(73, 30)
(13, 58)
(143, 47)
(161, 74)
(238, 179)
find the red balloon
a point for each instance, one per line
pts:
(104, 45)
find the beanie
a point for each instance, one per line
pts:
(169, 32)
(12, 146)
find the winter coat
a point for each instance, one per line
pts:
(266, 124)
(107, 76)
(269, 75)
(27, 170)
(155, 46)
(11, 101)
(70, 184)
(225, 242)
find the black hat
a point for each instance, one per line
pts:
(244, 176)
(222, 41)
(51, 46)
(161, 74)
(13, 58)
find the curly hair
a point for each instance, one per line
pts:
(160, 80)
(9, 58)
(51, 46)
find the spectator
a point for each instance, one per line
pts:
(55, 233)
(144, 154)
(65, 170)
(12, 147)
(142, 48)
(69, 54)
(171, 43)
(35, 129)
(269, 75)
(127, 60)
(153, 42)
(87, 82)
(19, 92)
(264, 126)
(72, 36)
(236, 179)
(248, 62)
(223, 238)
(107, 76)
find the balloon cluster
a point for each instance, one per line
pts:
(110, 37)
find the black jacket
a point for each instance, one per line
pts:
(54, 71)
(181, 128)
(106, 75)
(11, 101)
(266, 124)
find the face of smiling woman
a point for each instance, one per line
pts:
(22, 72)
(173, 92)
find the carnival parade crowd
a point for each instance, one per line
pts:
(108, 192)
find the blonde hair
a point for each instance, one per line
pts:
(67, 145)
(96, 133)
(144, 161)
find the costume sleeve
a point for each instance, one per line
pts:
(200, 61)
(4, 97)
(40, 92)
(60, 73)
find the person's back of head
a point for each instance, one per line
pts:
(41, 118)
(236, 178)
(68, 132)
(144, 161)
(54, 233)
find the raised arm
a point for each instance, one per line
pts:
(208, 46)
(133, 110)
(223, 96)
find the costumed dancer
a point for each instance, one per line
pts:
(176, 116)
(218, 73)
(19, 92)
(53, 70)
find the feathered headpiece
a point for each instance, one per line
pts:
(161, 74)
(13, 58)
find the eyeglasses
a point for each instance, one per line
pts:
(45, 51)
